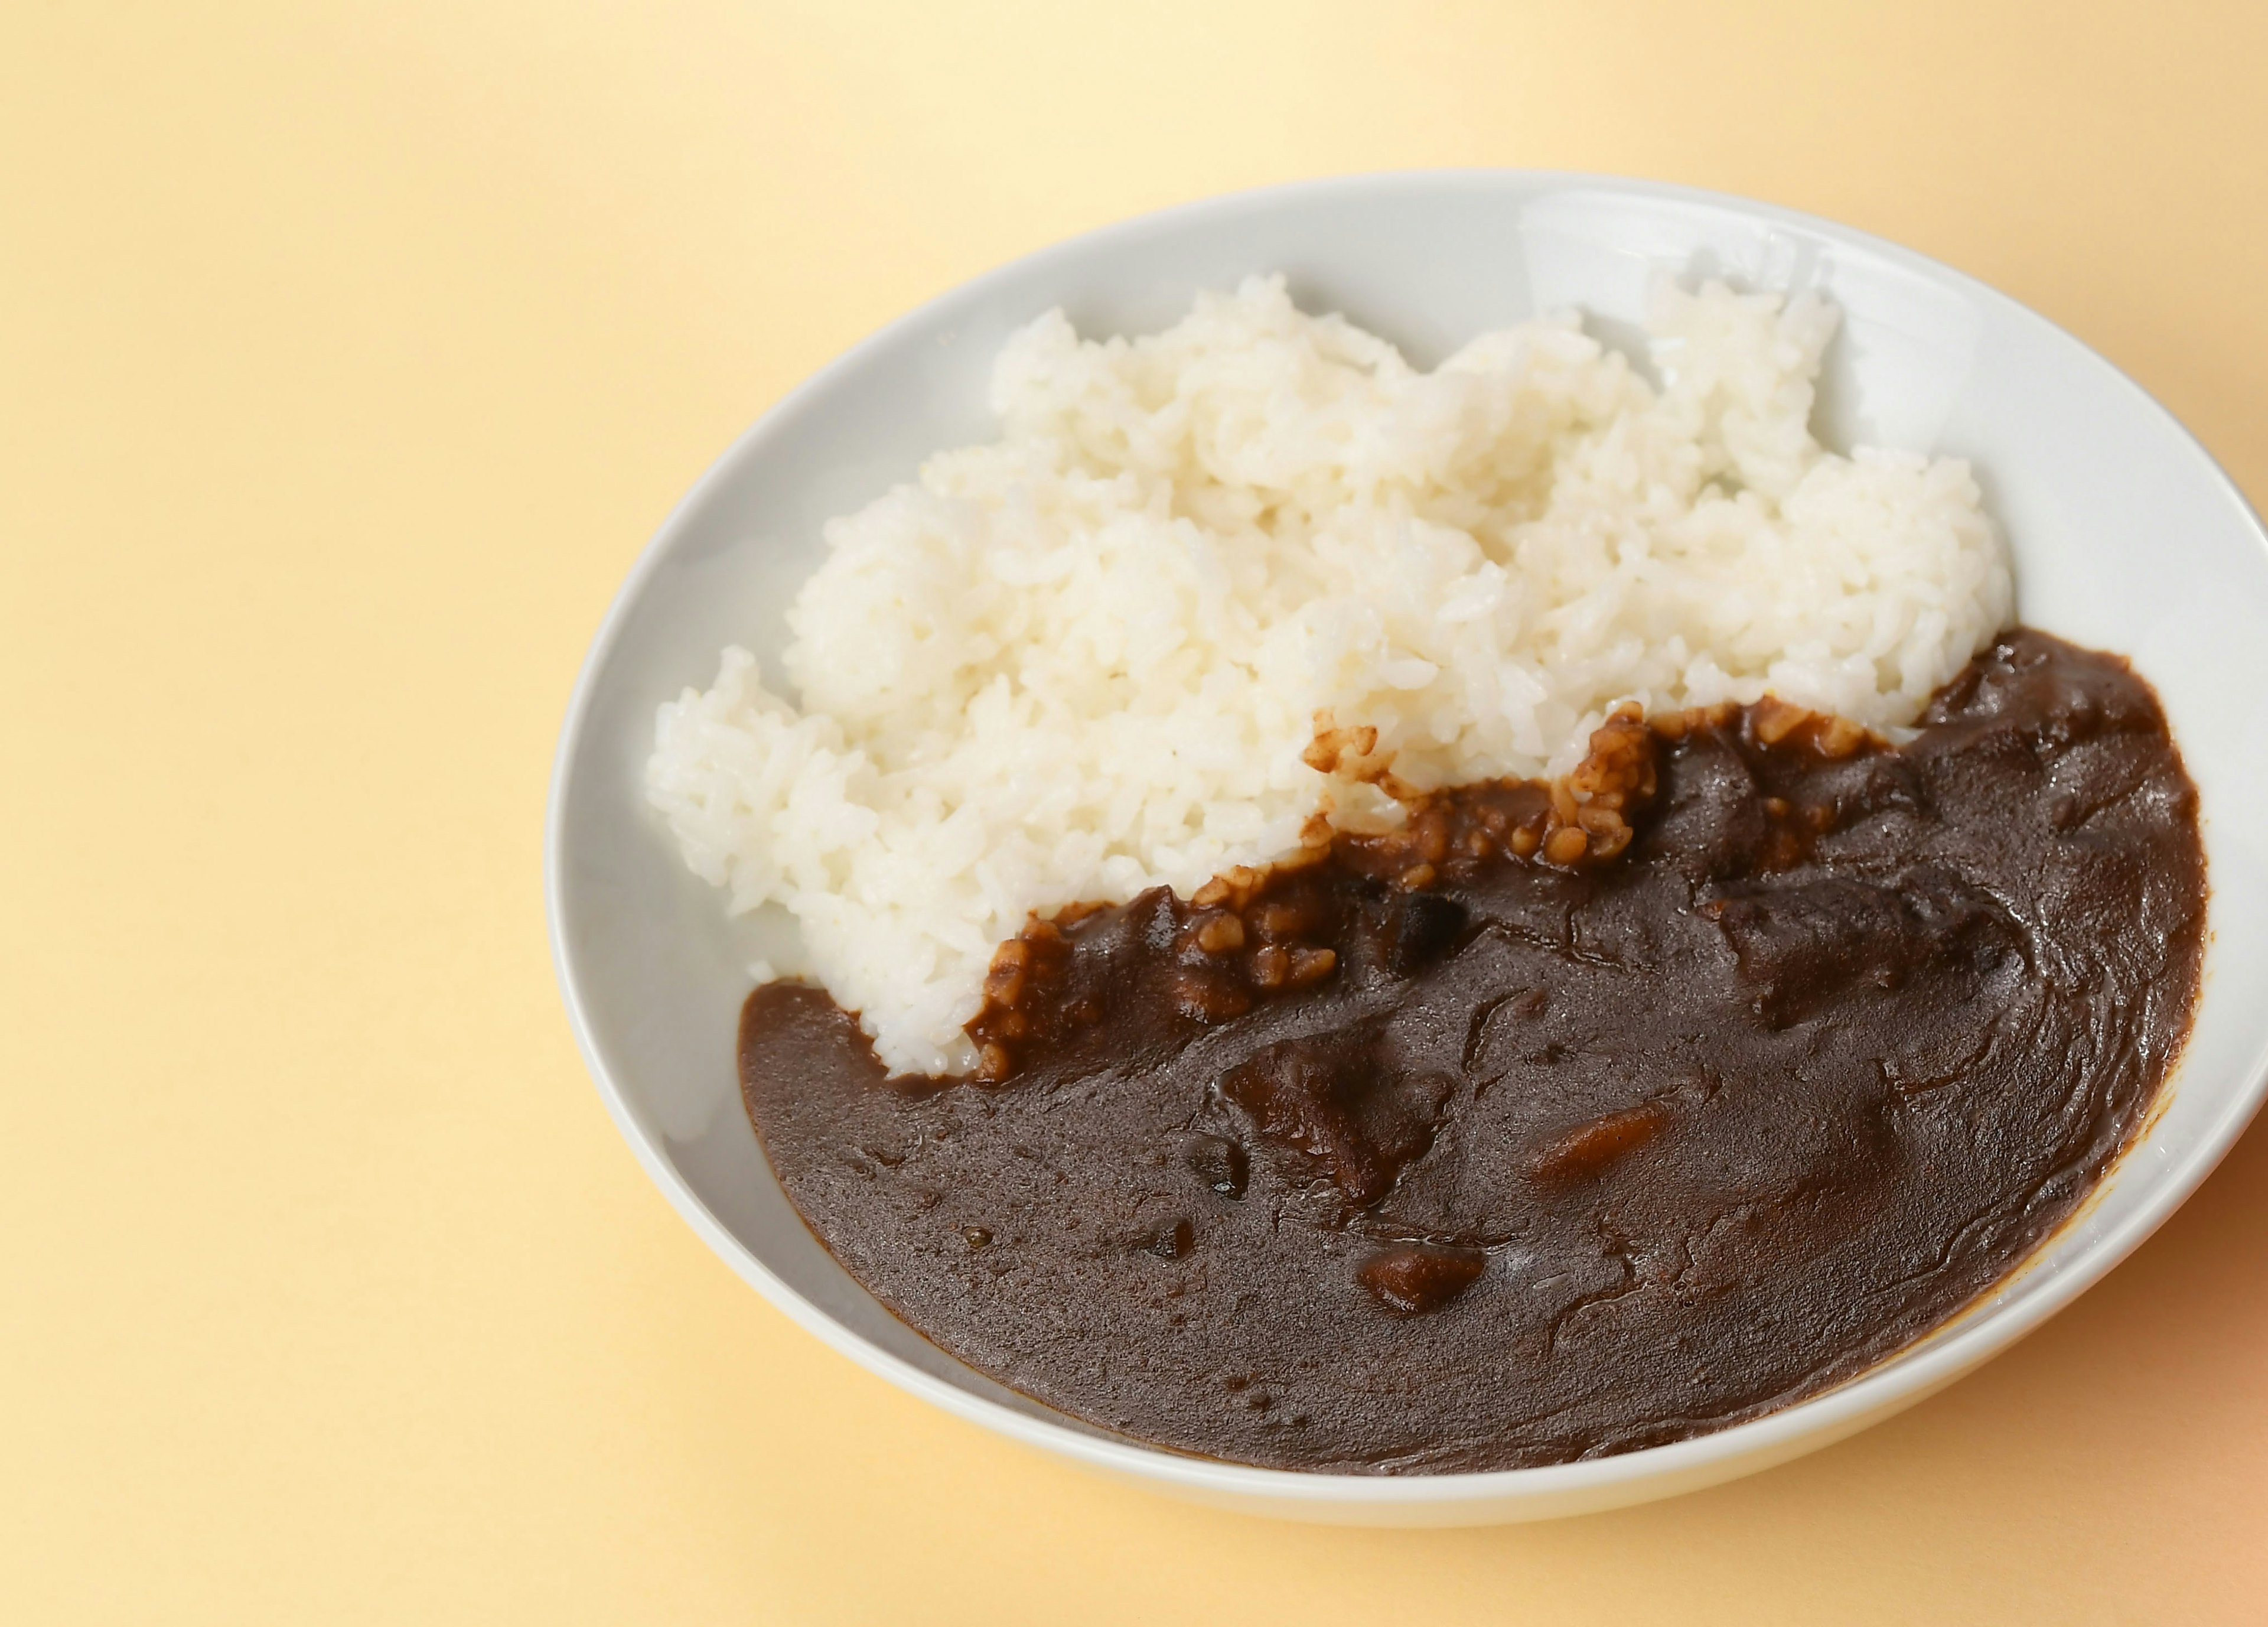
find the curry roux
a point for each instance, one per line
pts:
(1565, 1120)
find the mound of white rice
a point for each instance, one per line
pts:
(1085, 659)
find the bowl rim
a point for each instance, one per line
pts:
(1904, 1376)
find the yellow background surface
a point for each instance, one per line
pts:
(347, 355)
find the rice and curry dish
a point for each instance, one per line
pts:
(1368, 920)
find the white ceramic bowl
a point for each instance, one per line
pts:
(2126, 537)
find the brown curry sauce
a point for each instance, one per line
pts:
(1565, 1120)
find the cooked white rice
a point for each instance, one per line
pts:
(1083, 660)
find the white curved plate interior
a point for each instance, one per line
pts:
(2126, 537)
